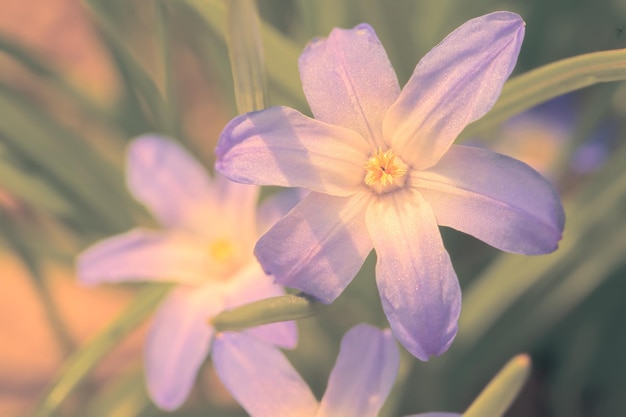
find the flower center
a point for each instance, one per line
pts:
(384, 171)
(222, 250)
(224, 258)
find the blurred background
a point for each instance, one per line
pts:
(79, 79)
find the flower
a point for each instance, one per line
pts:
(210, 226)
(384, 173)
(266, 385)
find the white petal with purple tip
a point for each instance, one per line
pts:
(169, 182)
(178, 343)
(144, 255)
(457, 82)
(363, 375)
(260, 378)
(495, 198)
(348, 80)
(418, 287)
(319, 246)
(280, 146)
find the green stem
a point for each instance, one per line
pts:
(498, 395)
(269, 310)
(245, 51)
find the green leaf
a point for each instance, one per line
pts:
(498, 395)
(281, 54)
(64, 161)
(126, 397)
(135, 75)
(269, 310)
(542, 84)
(30, 189)
(245, 51)
(83, 360)
(40, 68)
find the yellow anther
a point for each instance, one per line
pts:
(222, 250)
(384, 169)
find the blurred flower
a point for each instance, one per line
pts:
(206, 248)
(384, 173)
(266, 384)
(542, 135)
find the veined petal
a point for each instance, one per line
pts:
(349, 81)
(252, 284)
(456, 83)
(144, 255)
(418, 287)
(178, 343)
(260, 378)
(319, 246)
(497, 199)
(280, 146)
(169, 182)
(363, 375)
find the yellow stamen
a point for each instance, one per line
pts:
(222, 250)
(384, 169)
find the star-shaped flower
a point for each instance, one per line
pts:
(205, 246)
(266, 385)
(384, 173)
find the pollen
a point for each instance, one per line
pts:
(384, 169)
(222, 250)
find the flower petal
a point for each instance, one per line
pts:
(260, 378)
(363, 375)
(495, 198)
(319, 246)
(178, 343)
(252, 284)
(236, 211)
(456, 83)
(169, 182)
(349, 81)
(418, 287)
(144, 255)
(280, 146)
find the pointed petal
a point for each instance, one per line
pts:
(456, 83)
(178, 343)
(260, 378)
(276, 206)
(235, 214)
(252, 284)
(363, 375)
(279, 146)
(319, 246)
(418, 287)
(168, 181)
(349, 81)
(495, 198)
(144, 255)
